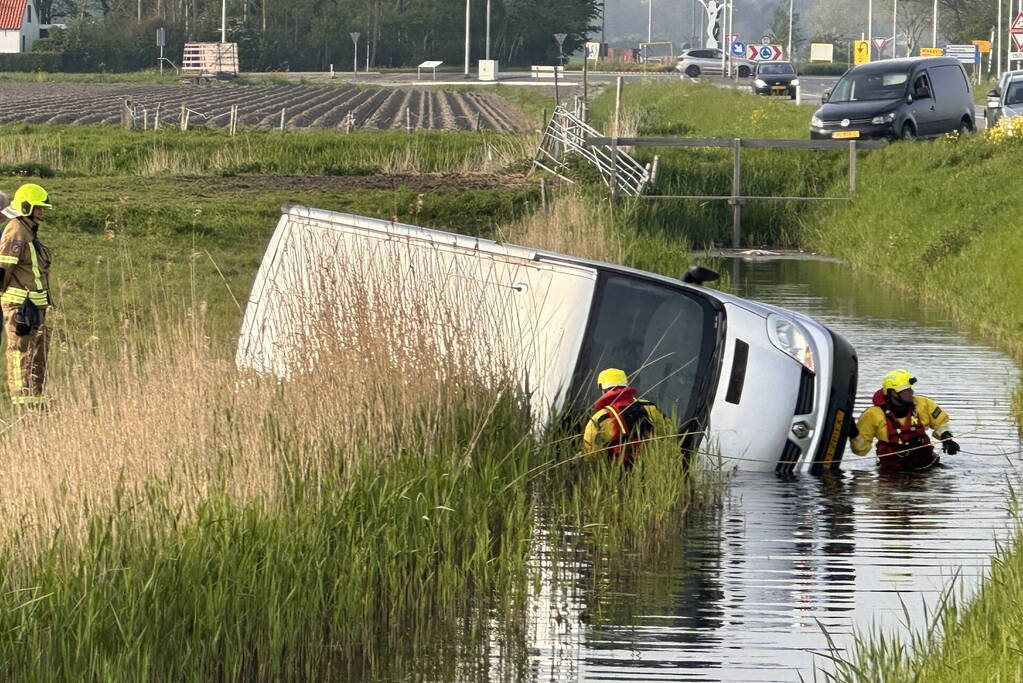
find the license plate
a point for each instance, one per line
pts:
(778, 87)
(846, 134)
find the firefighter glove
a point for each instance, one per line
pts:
(949, 446)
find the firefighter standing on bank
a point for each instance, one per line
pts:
(898, 420)
(24, 296)
(622, 421)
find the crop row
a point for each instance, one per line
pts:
(260, 106)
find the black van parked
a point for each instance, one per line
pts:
(897, 98)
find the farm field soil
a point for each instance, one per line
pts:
(261, 106)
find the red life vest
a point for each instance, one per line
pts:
(908, 447)
(630, 422)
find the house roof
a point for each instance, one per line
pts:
(12, 13)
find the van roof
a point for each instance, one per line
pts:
(886, 65)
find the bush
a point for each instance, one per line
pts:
(821, 69)
(31, 61)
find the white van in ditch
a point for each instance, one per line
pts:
(767, 388)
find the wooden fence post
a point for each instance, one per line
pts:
(408, 120)
(184, 116)
(282, 118)
(156, 117)
(126, 114)
(736, 200)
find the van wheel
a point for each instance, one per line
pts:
(744, 72)
(965, 128)
(908, 132)
(693, 71)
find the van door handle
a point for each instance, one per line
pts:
(932, 107)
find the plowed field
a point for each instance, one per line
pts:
(260, 106)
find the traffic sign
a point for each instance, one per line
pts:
(861, 52)
(966, 54)
(983, 45)
(1016, 31)
(738, 49)
(931, 52)
(764, 53)
(881, 43)
(765, 40)
(1015, 56)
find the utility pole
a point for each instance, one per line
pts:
(649, 20)
(467, 9)
(223, 21)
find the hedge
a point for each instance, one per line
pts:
(32, 61)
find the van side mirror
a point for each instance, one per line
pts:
(994, 93)
(825, 97)
(697, 275)
(909, 98)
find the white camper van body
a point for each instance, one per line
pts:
(770, 389)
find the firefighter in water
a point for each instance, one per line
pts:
(621, 421)
(24, 297)
(898, 421)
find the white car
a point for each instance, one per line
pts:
(699, 61)
(768, 388)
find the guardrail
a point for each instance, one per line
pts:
(736, 198)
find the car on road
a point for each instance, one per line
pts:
(696, 62)
(897, 98)
(774, 78)
(1004, 99)
(768, 388)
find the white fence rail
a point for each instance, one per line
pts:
(566, 138)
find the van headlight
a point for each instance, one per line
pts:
(816, 122)
(883, 118)
(760, 83)
(795, 81)
(791, 338)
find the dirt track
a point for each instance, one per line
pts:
(260, 106)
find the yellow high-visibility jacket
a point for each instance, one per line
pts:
(25, 262)
(604, 430)
(873, 425)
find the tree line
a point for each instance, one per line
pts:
(310, 35)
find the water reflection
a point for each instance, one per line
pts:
(743, 593)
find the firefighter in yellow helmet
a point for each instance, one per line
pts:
(898, 420)
(621, 421)
(24, 294)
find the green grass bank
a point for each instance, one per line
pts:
(187, 523)
(936, 222)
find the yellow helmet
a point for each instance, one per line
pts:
(612, 377)
(897, 380)
(28, 197)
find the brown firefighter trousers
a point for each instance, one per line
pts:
(26, 358)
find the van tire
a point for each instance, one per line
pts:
(693, 71)
(744, 71)
(965, 127)
(908, 132)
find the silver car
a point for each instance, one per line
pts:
(692, 63)
(767, 388)
(1006, 99)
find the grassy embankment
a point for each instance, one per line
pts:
(166, 520)
(934, 221)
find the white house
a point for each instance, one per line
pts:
(19, 25)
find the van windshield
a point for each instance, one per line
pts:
(860, 87)
(664, 338)
(781, 68)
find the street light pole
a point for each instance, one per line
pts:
(934, 28)
(223, 21)
(488, 31)
(467, 8)
(870, 26)
(998, 44)
(649, 20)
(788, 46)
(895, 30)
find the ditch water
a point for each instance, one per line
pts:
(747, 592)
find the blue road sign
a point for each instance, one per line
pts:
(766, 52)
(966, 54)
(738, 49)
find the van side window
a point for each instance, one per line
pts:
(921, 87)
(949, 80)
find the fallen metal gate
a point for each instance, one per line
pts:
(566, 137)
